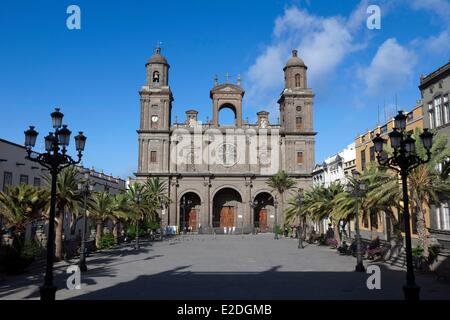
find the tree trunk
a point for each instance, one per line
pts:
(59, 220)
(422, 231)
(336, 232)
(99, 232)
(115, 230)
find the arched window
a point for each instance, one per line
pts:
(299, 123)
(156, 77)
(297, 80)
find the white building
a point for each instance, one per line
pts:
(335, 168)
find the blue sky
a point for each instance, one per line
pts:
(94, 74)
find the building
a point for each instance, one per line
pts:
(335, 168)
(16, 170)
(435, 91)
(376, 224)
(216, 174)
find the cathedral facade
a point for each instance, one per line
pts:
(216, 175)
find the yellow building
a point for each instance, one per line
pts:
(376, 224)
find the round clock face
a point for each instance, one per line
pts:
(154, 118)
(227, 154)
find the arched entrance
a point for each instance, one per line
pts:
(226, 205)
(189, 211)
(261, 213)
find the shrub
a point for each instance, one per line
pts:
(16, 260)
(277, 229)
(417, 252)
(433, 253)
(107, 241)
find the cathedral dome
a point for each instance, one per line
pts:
(157, 57)
(295, 61)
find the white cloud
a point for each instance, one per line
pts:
(439, 7)
(323, 43)
(391, 67)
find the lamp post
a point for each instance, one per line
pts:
(138, 199)
(253, 205)
(403, 160)
(357, 189)
(185, 203)
(55, 158)
(275, 228)
(86, 188)
(299, 201)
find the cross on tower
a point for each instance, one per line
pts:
(226, 77)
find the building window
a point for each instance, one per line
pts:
(409, 117)
(365, 221)
(363, 160)
(7, 180)
(443, 217)
(299, 122)
(299, 158)
(37, 182)
(431, 119)
(23, 179)
(373, 219)
(297, 80)
(156, 77)
(372, 153)
(299, 108)
(152, 156)
(446, 109)
(438, 111)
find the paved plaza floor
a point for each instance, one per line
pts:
(222, 267)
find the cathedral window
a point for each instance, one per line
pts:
(156, 77)
(299, 108)
(297, 80)
(152, 156)
(299, 122)
(299, 158)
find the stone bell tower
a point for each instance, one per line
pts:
(156, 106)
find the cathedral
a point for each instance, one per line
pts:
(216, 174)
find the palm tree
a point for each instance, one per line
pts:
(119, 212)
(281, 182)
(138, 209)
(426, 185)
(101, 207)
(19, 206)
(68, 200)
(155, 196)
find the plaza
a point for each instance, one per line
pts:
(222, 267)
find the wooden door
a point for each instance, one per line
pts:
(226, 217)
(263, 220)
(192, 219)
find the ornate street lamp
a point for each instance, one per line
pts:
(275, 228)
(403, 160)
(86, 188)
(357, 190)
(54, 159)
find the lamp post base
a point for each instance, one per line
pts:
(411, 292)
(83, 267)
(360, 268)
(47, 292)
